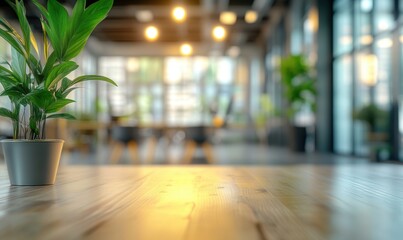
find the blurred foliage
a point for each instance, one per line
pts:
(298, 83)
(375, 117)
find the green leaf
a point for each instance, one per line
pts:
(77, 12)
(67, 92)
(36, 68)
(58, 105)
(12, 41)
(6, 25)
(41, 98)
(11, 30)
(299, 87)
(7, 113)
(7, 81)
(68, 35)
(45, 26)
(65, 84)
(49, 64)
(41, 9)
(62, 115)
(48, 33)
(25, 28)
(34, 43)
(18, 64)
(16, 93)
(59, 72)
(45, 41)
(33, 125)
(91, 78)
(5, 71)
(58, 22)
(83, 22)
(63, 91)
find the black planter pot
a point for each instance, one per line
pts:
(297, 138)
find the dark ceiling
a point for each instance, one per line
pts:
(123, 26)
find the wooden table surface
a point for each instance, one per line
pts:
(208, 202)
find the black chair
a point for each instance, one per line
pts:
(153, 135)
(121, 137)
(197, 136)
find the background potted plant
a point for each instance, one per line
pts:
(374, 117)
(376, 120)
(300, 93)
(37, 84)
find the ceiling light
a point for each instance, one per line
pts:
(228, 18)
(144, 16)
(219, 33)
(179, 14)
(151, 33)
(251, 16)
(186, 49)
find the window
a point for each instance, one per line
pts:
(172, 90)
(363, 67)
(343, 104)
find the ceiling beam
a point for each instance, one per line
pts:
(276, 14)
(222, 5)
(262, 7)
(158, 11)
(100, 48)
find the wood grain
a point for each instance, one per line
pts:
(208, 202)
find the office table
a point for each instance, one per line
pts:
(207, 202)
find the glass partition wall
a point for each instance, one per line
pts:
(366, 77)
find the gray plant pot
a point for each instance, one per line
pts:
(32, 162)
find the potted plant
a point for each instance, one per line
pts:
(374, 117)
(37, 84)
(376, 120)
(300, 93)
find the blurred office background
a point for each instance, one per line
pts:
(202, 83)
